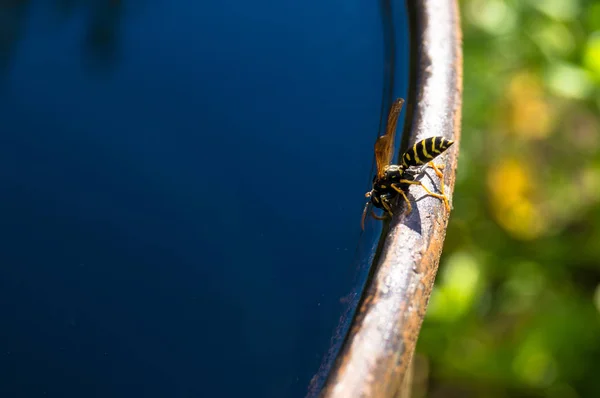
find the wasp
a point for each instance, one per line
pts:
(393, 180)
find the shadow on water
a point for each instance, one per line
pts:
(100, 35)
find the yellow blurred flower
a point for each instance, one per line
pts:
(529, 114)
(591, 55)
(511, 192)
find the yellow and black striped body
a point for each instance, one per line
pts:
(425, 151)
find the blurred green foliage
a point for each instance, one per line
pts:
(516, 306)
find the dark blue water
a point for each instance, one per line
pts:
(181, 185)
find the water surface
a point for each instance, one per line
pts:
(181, 186)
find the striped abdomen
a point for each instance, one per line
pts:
(425, 151)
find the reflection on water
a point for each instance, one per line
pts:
(12, 19)
(100, 36)
(192, 217)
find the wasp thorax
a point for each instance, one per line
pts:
(391, 174)
(383, 190)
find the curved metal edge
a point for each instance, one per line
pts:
(379, 349)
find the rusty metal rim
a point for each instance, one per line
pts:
(377, 353)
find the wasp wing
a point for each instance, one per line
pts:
(384, 146)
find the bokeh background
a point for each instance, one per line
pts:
(515, 309)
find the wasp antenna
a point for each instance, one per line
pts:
(364, 216)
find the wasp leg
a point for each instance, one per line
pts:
(375, 216)
(437, 168)
(401, 192)
(387, 207)
(431, 165)
(435, 195)
(380, 218)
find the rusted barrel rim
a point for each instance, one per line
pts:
(377, 353)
